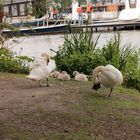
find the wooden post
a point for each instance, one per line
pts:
(96, 29)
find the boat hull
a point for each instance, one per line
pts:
(132, 14)
(55, 29)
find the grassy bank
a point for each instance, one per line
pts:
(66, 111)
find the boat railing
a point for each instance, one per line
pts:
(42, 19)
(57, 20)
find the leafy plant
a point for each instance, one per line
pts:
(132, 79)
(10, 63)
(117, 54)
(78, 52)
(39, 8)
(132, 71)
(125, 58)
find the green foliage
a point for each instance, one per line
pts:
(64, 4)
(132, 79)
(80, 62)
(1, 5)
(6, 25)
(132, 71)
(9, 63)
(119, 55)
(39, 8)
(125, 58)
(79, 53)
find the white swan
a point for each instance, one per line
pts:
(46, 57)
(55, 74)
(64, 76)
(41, 68)
(80, 77)
(106, 76)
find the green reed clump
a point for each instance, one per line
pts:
(118, 54)
(79, 52)
(125, 58)
(132, 71)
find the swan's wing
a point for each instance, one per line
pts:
(107, 78)
(110, 78)
(51, 65)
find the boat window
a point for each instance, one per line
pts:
(22, 9)
(14, 10)
(6, 10)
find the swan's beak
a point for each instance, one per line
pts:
(96, 86)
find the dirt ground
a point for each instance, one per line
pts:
(21, 93)
(31, 112)
(21, 97)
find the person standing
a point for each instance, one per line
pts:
(80, 16)
(55, 13)
(3, 17)
(88, 11)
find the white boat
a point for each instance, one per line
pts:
(130, 14)
(33, 28)
(52, 29)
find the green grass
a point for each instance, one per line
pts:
(79, 113)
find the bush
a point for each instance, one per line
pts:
(79, 62)
(79, 53)
(132, 79)
(125, 58)
(132, 71)
(9, 63)
(118, 54)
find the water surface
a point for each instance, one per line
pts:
(33, 46)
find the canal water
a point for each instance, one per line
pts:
(33, 46)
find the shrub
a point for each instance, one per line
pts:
(132, 71)
(80, 62)
(132, 79)
(125, 58)
(11, 63)
(79, 53)
(118, 54)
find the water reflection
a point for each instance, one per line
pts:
(34, 45)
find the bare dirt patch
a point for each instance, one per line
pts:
(64, 111)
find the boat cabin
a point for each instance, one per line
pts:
(22, 9)
(17, 8)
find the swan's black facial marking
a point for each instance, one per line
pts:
(96, 86)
